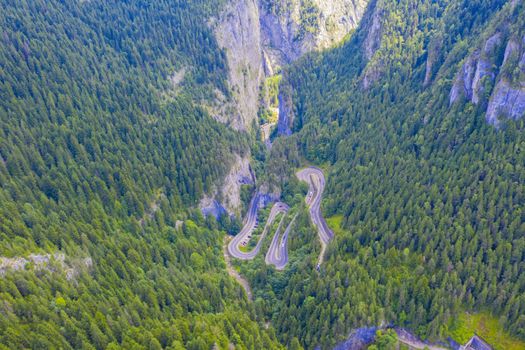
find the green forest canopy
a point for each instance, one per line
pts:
(430, 197)
(86, 145)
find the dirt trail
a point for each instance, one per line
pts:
(321, 254)
(232, 272)
(409, 339)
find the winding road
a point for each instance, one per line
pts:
(250, 223)
(278, 252)
(315, 179)
(232, 272)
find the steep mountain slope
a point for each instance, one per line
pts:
(99, 159)
(291, 28)
(120, 120)
(261, 36)
(258, 38)
(428, 191)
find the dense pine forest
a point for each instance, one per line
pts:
(107, 147)
(426, 197)
(90, 142)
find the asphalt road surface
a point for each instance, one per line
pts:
(278, 253)
(316, 182)
(250, 223)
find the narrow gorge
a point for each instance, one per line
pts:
(262, 174)
(260, 37)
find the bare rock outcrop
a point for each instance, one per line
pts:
(464, 78)
(522, 61)
(56, 263)
(337, 19)
(485, 66)
(291, 28)
(286, 114)
(515, 56)
(506, 101)
(260, 36)
(507, 98)
(278, 35)
(483, 69)
(373, 38)
(211, 206)
(371, 74)
(372, 43)
(512, 49)
(226, 199)
(240, 174)
(237, 30)
(477, 67)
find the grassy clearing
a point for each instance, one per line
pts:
(487, 327)
(335, 222)
(466, 324)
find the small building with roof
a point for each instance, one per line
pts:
(476, 343)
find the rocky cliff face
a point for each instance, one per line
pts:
(374, 28)
(291, 28)
(463, 82)
(227, 198)
(506, 101)
(373, 37)
(54, 263)
(499, 84)
(478, 68)
(259, 37)
(286, 114)
(238, 32)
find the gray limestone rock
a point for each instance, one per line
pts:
(506, 101)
